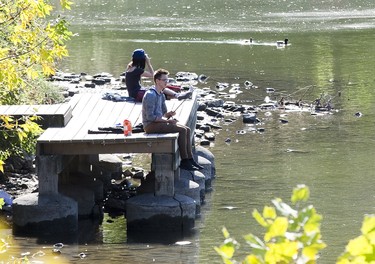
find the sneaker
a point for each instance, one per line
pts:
(196, 164)
(185, 95)
(186, 165)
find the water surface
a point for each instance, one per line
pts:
(331, 54)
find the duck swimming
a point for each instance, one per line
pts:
(280, 43)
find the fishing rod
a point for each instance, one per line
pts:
(183, 101)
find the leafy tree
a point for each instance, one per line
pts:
(31, 41)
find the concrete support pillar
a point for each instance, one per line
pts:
(150, 213)
(48, 168)
(162, 164)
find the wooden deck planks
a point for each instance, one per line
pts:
(80, 113)
(91, 111)
(56, 115)
(100, 112)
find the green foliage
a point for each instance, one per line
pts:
(18, 136)
(42, 92)
(291, 235)
(362, 248)
(31, 42)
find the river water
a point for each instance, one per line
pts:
(331, 54)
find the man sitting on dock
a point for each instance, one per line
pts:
(157, 119)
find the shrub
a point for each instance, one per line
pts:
(292, 235)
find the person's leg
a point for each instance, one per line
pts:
(184, 142)
(171, 128)
(140, 95)
(180, 96)
(188, 143)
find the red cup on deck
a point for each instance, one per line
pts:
(127, 128)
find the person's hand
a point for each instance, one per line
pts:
(170, 114)
(172, 121)
(147, 58)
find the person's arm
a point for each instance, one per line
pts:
(148, 107)
(150, 70)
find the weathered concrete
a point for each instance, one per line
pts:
(197, 177)
(148, 212)
(48, 214)
(84, 197)
(204, 152)
(109, 163)
(206, 171)
(190, 189)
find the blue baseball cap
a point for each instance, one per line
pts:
(139, 54)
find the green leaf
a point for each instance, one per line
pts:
(269, 212)
(258, 217)
(252, 259)
(283, 252)
(311, 252)
(2, 165)
(359, 246)
(225, 232)
(300, 193)
(226, 251)
(254, 241)
(278, 228)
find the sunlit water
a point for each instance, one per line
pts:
(331, 53)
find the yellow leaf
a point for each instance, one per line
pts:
(269, 212)
(359, 246)
(226, 251)
(281, 252)
(371, 238)
(368, 224)
(277, 228)
(300, 193)
(225, 232)
(312, 251)
(258, 217)
(343, 261)
(252, 259)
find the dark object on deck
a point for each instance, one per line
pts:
(116, 129)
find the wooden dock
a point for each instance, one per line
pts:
(67, 158)
(56, 115)
(90, 111)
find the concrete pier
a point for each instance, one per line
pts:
(66, 153)
(148, 212)
(199, 178)
(191, 189)
(45, 215)
(205, 153)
